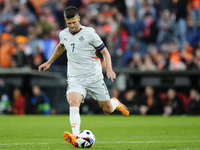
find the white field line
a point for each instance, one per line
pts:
(151, 142)
(4, 144)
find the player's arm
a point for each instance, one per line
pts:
(58, 51)
(106, 55)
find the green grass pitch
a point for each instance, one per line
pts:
(112, 132)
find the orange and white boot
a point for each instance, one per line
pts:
(121, 107)
(70, 138)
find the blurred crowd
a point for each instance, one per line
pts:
(148, 101)
(151, 102)
(140, 34)
(16, 100)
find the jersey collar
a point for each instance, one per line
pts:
(76, 31)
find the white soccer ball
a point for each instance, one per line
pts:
(86, 139)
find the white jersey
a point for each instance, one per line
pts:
(81, 48)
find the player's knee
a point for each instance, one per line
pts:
(107, 109)
(74, 103)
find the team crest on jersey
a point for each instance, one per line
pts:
(81, 38)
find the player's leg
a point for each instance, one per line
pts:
(107, 106)
(110, 105)
(98, 90)
(75, 94)
(74, 99)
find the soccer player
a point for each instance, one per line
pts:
(84, 70)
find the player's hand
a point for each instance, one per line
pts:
(111, 75)
(44, 66)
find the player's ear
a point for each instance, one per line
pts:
(79, 18)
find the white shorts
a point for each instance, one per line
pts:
(96, 89)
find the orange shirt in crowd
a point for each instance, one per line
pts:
(19, 105)
(7, 50)
(194, 4)
(175, 56)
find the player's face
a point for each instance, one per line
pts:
(73, 23)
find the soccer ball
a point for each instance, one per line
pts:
(86, 139)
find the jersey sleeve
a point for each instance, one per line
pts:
(96, 41)
(61, 39)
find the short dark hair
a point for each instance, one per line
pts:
(70, 12)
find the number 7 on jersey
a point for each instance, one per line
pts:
(73, 45)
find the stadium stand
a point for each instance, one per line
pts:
(146, 38)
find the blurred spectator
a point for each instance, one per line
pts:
(187, 56)
(33, 40)
(9, 27)
(23, 52)
(192, 36)
(59, 14)
(115, 92)
(47, 45)
(166, 26)
(180, 10)
(7, 13)
(37, 59)
(40, 103)
(175, 60)
(146, 8)
(42, 27)
(120, 5)
(106, 11)
(172, 104)
(50, 3)
(2, 28)
(136, 62)
(197, 58)
(54, 34)
(7, 51)
(133, 101)
(137, 45)
(47, 12)
(163, 5)
(102, 28)
(194, 105)
(20, 25)
(150, 30)
(5, 104)
(90, 106)
(195, 8)
(77, 3)
(161, 62)
(36, 53)
(158, 58)
(150, 103)
(19, 102)
(120, 40)
(25, 11)
(148, 64)
(119, 18)
(133, 24)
